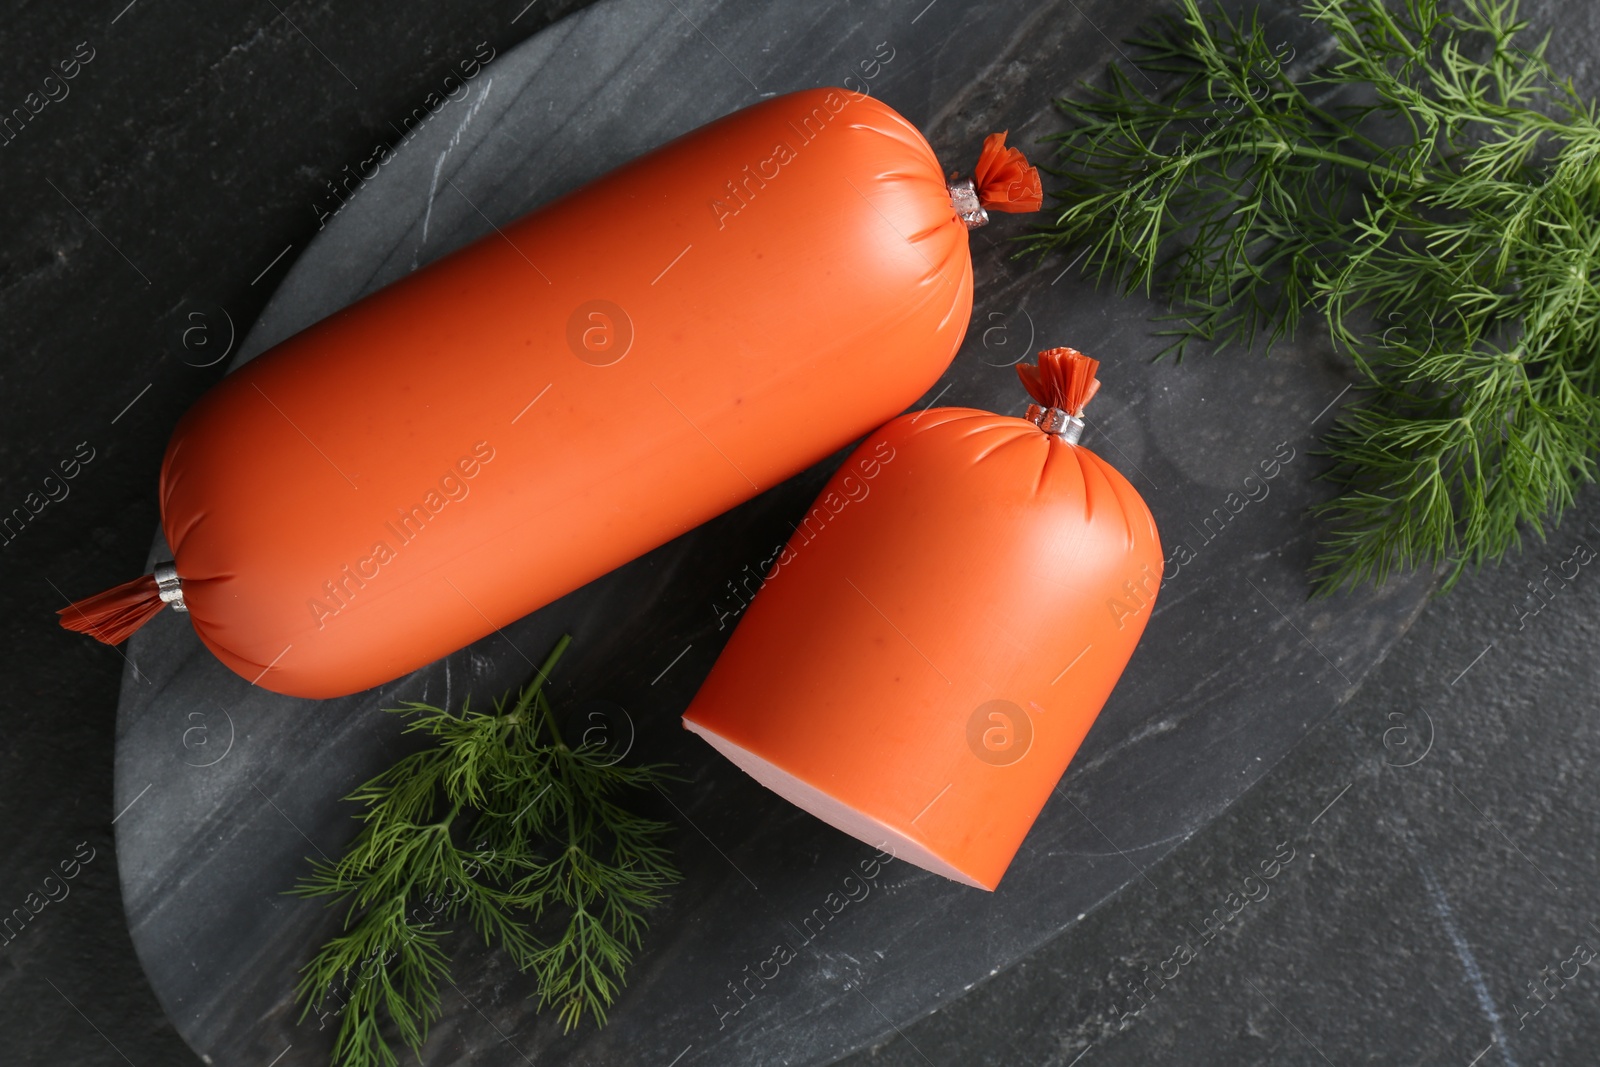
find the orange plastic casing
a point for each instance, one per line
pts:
(565, 394)
(928, 651)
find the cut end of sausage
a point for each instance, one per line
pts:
(833, 811)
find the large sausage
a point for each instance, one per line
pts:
(465, 446)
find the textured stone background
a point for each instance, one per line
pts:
(1407, 927)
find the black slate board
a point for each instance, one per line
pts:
(223, 789)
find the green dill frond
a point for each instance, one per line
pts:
(1443, 222)
(499, 822)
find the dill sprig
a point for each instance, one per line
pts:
(1430, 189)
(557, 872)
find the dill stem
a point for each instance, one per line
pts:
(1366, 166)
(549, 715)
(444, 823)
(537, 689)
(552, 659)
(1285, 148)
(532, 689)
(1344, 129)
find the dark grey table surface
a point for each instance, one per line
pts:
(1358, 956)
